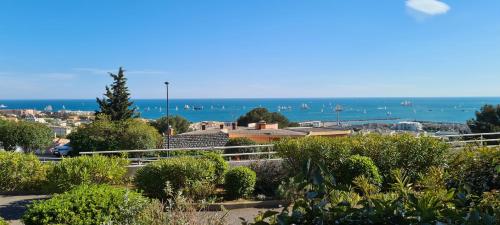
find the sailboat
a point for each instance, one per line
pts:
(2, 106)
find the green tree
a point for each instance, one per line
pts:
(8, 135)
(487, 120)
(178, 123)
(107, 135)
(33, 136)
(259, 114)
(116, 102)
(28, 135)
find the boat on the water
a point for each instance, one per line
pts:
(406, 103)
(2, 106)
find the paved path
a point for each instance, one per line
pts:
(233, 216)
(12, 207)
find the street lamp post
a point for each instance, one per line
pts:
(168, 122)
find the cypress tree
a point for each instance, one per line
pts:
(116, 101)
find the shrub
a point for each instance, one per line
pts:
(95, 204)
(479, 169)
(221, 166)
(356, 166)
(180, 173)
(270, 174)
(413, 154)
(21, 172)
(76, 171)
(3, 222)
(240, 182)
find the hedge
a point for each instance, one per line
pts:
(21, 172)
(479, 169)
(413, 154)
(356, 166)
(71, 172)
(240, 182)
(95, 204)
(193, 176)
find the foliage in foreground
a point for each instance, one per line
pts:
(415, 155)
(476, 169)
(21, 172)
(3, 222)
(88, 205)
(106, 135)
(240, 182)
(194, 177)
(71, 172)
(317, 199)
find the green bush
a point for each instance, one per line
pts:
(479, 169)
(413, 154)
(240, 182)
(270, 174)
(21, 172)
(95, 204)
(221, 166)
(3, 222)
(356, 166)
(182, 174)
(71, 172)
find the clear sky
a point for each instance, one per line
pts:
(250, 48)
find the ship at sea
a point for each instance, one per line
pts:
(406, 103)
(2, 106)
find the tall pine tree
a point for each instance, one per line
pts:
(116, 102)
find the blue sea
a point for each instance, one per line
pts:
(354, 110)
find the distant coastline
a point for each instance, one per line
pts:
(388, 109)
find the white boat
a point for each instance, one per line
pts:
(186, 107)
(406, 103)
(305, 106)
(2, 106)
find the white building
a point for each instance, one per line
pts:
(409, 126)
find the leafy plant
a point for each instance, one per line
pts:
(21, 172)
(476, 168)
(93, 204)
(182, 173)
(3, 222)
(71, 172)
(221, 166)
(270, 174)
(356, 166)
(240, 182)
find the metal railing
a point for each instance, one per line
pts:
(473, 140)
(267, 152)
(146, 155)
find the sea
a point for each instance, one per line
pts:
(348, 110)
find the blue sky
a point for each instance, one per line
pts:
(250, 49)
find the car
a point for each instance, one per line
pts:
(63, 150)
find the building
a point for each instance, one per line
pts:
(409, 126)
